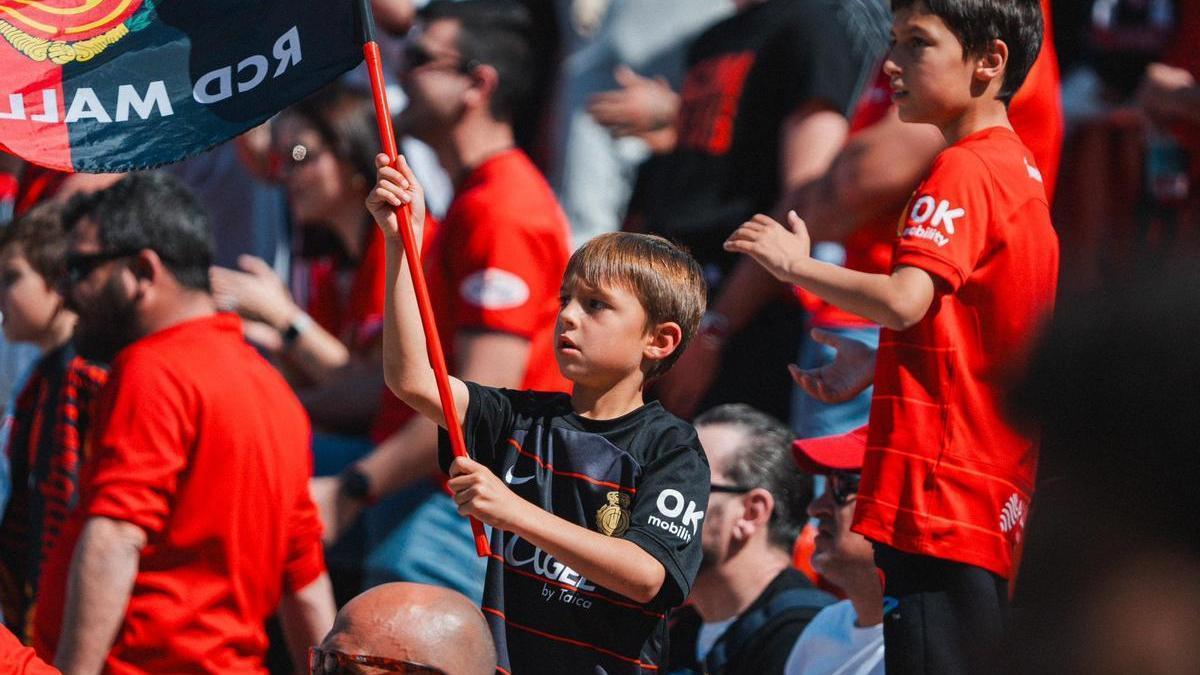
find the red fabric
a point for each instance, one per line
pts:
(1183, 53)
(945, 475)
(17, 659)
(37, 184)
(495, 265)
(1036, 111)
(210, 457)
(353, 313)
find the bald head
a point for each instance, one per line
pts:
(419, 623)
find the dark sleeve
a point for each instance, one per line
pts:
(666, 516)
(486, 424)
(769, 653)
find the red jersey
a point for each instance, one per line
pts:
(17, 659)
(495, 264)
(945, 475)
(1036, 111)
(349, 302)
(210, 457)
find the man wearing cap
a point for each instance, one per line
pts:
(750, 605)
(845, 637)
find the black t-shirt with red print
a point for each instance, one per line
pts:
(745, 76)
(642, 477)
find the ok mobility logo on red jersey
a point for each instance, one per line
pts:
(115, 85)
(933, 219)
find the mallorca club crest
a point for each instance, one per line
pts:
(66, 31)
(613, 517)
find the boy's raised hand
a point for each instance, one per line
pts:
(772, 245)
(394, 189)
(480, 493)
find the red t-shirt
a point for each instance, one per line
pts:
(17, 659)
(201, 443)
(349, 302)
(945, 475)
(495, 264)
(1036, 111)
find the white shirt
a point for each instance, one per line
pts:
(833, 645)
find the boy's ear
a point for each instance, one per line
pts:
(662, 341)
(992, 64)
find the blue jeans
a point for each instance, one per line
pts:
(812, 418)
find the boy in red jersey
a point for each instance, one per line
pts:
(946, 481)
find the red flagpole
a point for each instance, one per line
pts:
(437, 359)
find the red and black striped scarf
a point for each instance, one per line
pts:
(46, 450)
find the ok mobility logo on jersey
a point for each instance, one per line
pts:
(680, 515)
(939, 215)
(114, 85)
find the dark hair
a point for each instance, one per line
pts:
(344, 118)
(666, 279)
(497, 33)
(976, 23)
(764, 460)
(42, 238)
(151, 210)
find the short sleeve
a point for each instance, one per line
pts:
(486, 424)
(501, 275)
(305, 555)
(144, 435)
(945, 225)
(667, 515)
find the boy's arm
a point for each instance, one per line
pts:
(897, 300)
(614, 563)
(406, 366)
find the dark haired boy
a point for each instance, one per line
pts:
(596, 523)
(946, 480)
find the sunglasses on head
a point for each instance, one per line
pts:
(81, 265)
(842, 485)
(333, 662)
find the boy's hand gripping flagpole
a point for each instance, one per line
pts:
(436, 358)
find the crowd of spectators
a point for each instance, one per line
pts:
(210, 444)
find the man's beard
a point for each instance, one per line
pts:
(106, 327)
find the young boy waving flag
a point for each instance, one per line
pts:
(596, 522)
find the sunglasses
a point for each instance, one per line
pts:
(81, 265)
(333, 662)
(417, 56)
(731, 489)
(842, 485)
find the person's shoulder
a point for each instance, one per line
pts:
(668, 432)
(958, 162)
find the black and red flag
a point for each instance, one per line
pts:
(117, 85)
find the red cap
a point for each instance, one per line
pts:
(821, 455)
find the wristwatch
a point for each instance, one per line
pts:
(353, 483)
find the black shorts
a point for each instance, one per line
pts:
(939, 616)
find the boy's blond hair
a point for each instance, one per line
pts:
(665, 278)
